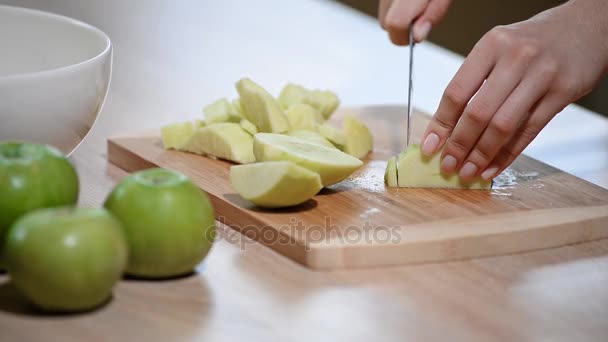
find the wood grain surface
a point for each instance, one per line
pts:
(361, 223)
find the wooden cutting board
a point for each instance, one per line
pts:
(361, 223)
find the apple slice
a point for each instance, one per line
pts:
(261, 108)
(303, 116)
(390, 175)
(333, 134)
(176, 135)
(416, 170)
(221, 111)
(275, 184)
(292, 94)
(324, 101)
(236, 104)
(358, 138)
(226, 140)
(249, 127)
(332, 165)
(312, 137)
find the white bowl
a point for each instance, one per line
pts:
(54, 77)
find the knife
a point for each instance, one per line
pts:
(410, 88)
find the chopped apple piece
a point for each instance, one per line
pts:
(224, 140)
(275, 184)
(303, 116)
(332, 165)
(324, 101)
(312, 137)
(176, 135)
(333, 134)
(249, 127)
(358, 138)
(390, 176)
(261, 108)
(236, 104)
(199, 123)
(416, 170)
(292, 94)
(221, 111)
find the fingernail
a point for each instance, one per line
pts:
(430, 144)
(489, 173)
(422, 31)
(448, 164)
(468, 170)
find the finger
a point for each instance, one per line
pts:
(432, 15)
(545, 110)
(459, 91)
(476, 117)
(382, 11)
(400, 16)
(511, 115)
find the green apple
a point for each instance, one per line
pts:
(248, 127)
(390, 175)
(312, 137)
(31, 177)
(66, 259)
(324, 101)
(275, 184)
(359, 140)
(174, 136)
(221, 111)
(292, 94)
(168, 221)
(333, 134)
(226, 140)
(331, 164)
(261, 108)
(303, 116)
(415, 170)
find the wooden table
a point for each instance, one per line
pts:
(171, 57)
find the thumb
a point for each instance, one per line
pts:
(432, 15)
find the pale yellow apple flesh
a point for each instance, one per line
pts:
(292, 94)
(416, 170)
(332, 165)
(261, 108)
(324, 101)
(275, 184)
(359, 140)
(221, 111)
(303, 116)
(224, 140)
(312, 137)
(249, 127)
(333, 134)
(390, 176)
(174, 136)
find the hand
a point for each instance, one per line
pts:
(396, 16)
(514, 81)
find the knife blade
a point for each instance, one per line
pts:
(410, 87)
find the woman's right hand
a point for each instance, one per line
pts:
(396, 16)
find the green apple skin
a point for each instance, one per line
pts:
(66, 259)
(31, 177)
(168, 221)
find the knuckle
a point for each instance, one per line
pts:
(503, 125)
(529, 132)
(566, 88)
(500, 36)
(479, 157)
(478, 112)
(454, 94)
(440, 121)
(549, 68)
(527, 51)
(456, 148)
